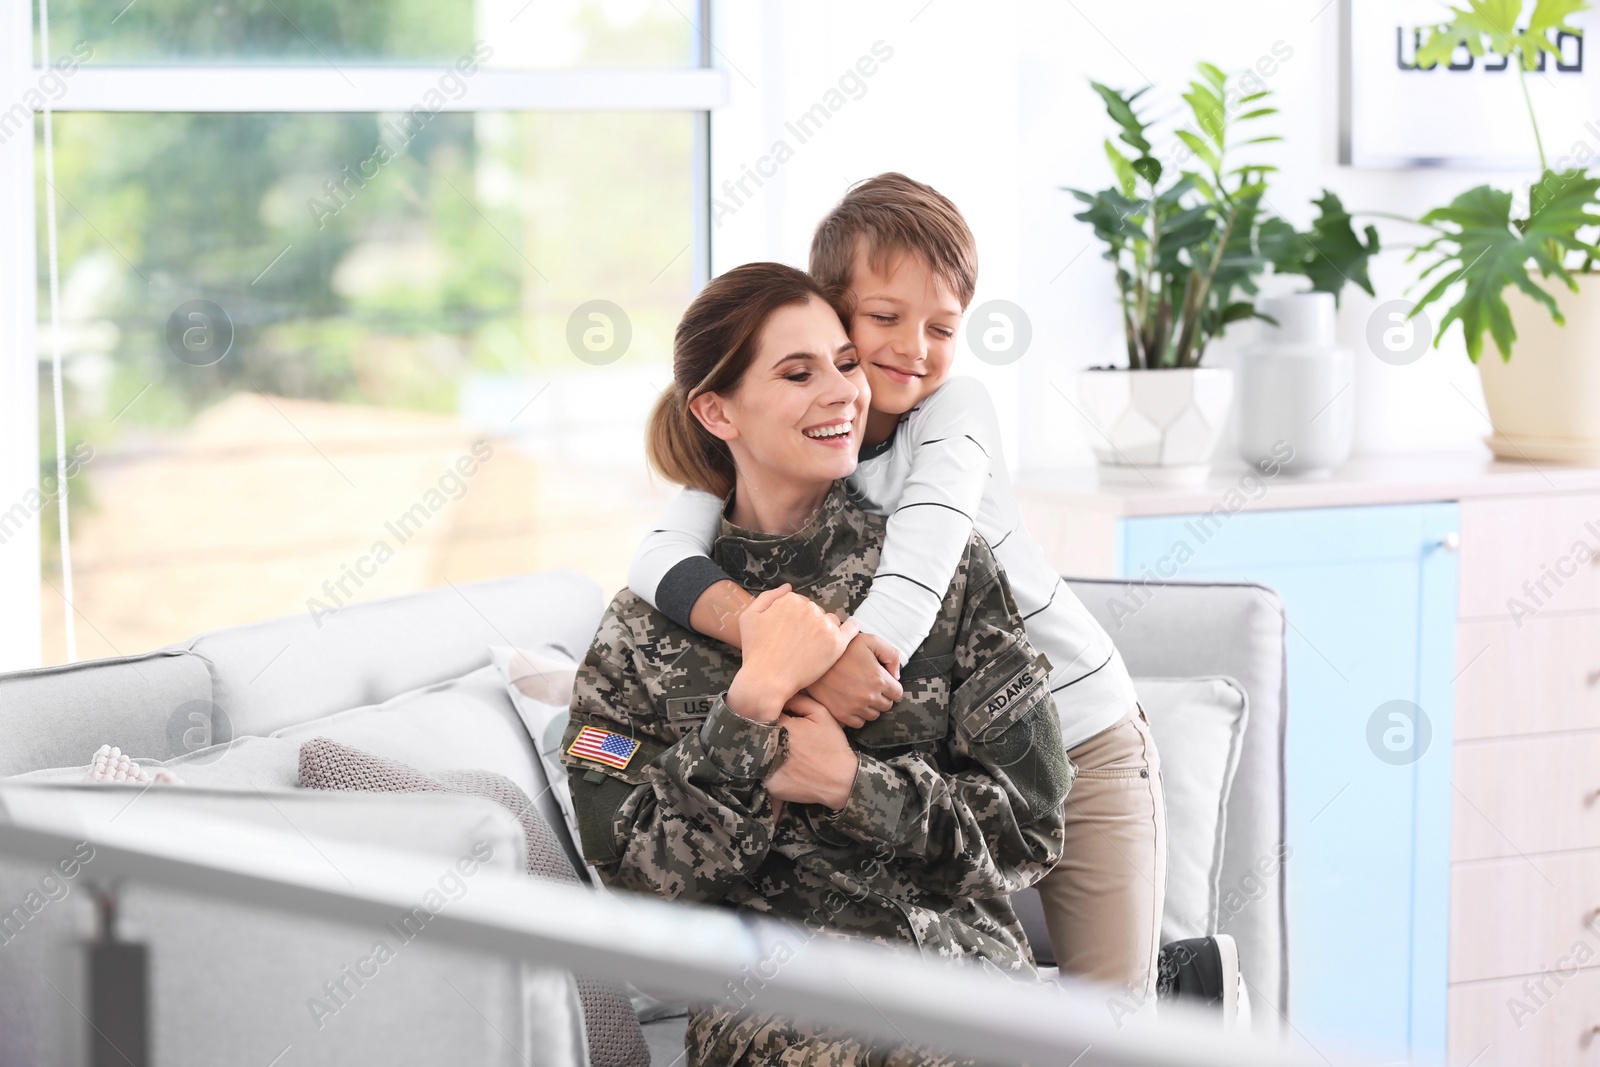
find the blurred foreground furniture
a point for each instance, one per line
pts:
(410, 679)
(231, 983)
(548, 924)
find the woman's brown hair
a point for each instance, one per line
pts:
(714, 345)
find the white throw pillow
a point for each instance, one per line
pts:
(464, 723)
(540, 683)
(1199, 725)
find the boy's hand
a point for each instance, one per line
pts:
(862, 684)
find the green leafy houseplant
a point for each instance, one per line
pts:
(1328, 255)
(1189, 244)
(1480, 247)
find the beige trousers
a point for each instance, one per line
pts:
(1103, 901)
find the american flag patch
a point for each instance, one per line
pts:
(603, 746)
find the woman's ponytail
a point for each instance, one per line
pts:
(681, 450)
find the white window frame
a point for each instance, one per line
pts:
(350, 88)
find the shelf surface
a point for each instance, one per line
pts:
(1414, 478)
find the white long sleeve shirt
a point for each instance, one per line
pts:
(938, 476)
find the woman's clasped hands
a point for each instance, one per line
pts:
(790, 644)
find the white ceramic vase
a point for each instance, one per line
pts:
(1545, 403)
(1296, 388)
(1155, 427)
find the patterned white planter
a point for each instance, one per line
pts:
(1156, 427)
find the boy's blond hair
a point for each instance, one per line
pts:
(894, 215)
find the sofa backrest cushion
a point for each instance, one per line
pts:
(286, 671)
(151, 706)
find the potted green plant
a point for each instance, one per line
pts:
(1182, 243)
(1545, 405)
(1187, 245)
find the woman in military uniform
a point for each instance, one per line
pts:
(699, 773)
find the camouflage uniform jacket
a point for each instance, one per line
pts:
(957, 801)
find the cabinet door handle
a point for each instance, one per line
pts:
(1451, 541)
(1594, 679)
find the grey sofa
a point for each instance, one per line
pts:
(231, 984)
(1190, 629)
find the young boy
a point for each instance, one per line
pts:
(931, 461)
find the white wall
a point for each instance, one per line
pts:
(942, 108)
(990, 103)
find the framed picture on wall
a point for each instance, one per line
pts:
(1469, 113)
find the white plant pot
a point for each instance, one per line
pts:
(1296, 389)
(1155, 427)
(1545, 403)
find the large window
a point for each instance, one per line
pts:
(316, 353)
(540, 33)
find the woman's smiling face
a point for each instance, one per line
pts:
(798, 412)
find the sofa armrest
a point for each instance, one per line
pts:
(1236, 629)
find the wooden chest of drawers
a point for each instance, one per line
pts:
(1525, 873)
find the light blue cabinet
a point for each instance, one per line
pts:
(1371, 600)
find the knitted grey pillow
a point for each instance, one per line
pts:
(615, 1039)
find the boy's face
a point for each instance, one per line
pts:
(905, 328)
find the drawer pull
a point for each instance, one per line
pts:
(1594, 679)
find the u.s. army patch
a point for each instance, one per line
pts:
(690, 707)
